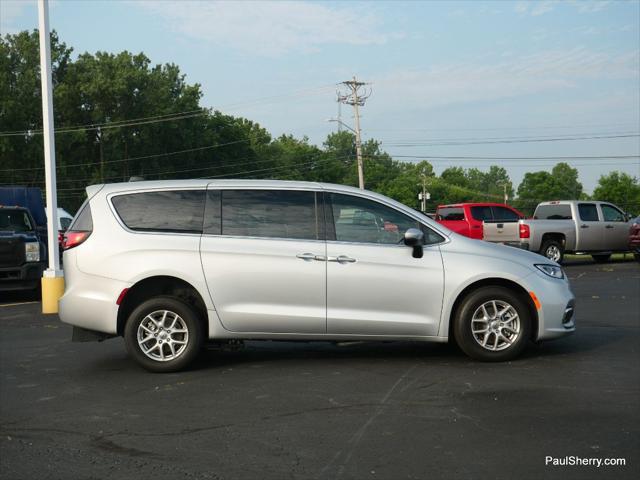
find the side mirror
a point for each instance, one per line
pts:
(414, 238)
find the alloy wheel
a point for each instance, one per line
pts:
(495, 325)
(163, 335)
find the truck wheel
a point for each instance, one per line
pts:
(493, 324)
(553, 250)
(163, 334)
(601, 258)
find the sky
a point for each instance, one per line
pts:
(506, 79)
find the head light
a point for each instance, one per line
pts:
(551, 270)
(32, 251)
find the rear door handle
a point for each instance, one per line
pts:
(584, 226)
(341, 259)
(609, 226)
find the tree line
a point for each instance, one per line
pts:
(118, 116)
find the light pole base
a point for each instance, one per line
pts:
(52, 290)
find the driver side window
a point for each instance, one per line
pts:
(359, 220)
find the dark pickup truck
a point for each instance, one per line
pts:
(22, 251)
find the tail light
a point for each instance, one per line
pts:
(73, 239)
(525, 231)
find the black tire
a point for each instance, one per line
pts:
(463, 321)
(189, 321)
(601, 258)
(553, 250)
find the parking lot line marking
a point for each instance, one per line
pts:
(19, 303)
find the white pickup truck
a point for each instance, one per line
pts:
(572, 226)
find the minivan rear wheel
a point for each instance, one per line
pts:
(163, 334)
(492, 324)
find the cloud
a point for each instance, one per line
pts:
(270, 28)
(585, 6)
(512, 76)
(11, 10)
(540, 7)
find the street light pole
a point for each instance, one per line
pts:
(52, 280)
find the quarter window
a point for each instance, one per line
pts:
(267, 213)
(360, 220)
(588, 212)
(166, 211)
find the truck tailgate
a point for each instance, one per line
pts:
(501, 232)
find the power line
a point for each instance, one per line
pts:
(487, 142)
(162, 118)
(542, 127)
(518, 137)
(246, 172)
(559, 157)
(166, 154)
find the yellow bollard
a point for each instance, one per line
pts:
(52, 290)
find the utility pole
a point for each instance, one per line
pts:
(356, 97)
(52, 279)
(424, 196)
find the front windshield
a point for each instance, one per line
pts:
(15, 221)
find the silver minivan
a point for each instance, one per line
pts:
(169, 265)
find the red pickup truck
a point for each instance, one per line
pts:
(466, 218)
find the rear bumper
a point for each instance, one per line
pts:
(24, 277)
(89, 302)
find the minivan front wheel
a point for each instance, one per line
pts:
(492, 324)
(163, 334)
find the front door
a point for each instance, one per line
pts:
(616, 228)
(374, 285)
(258, 253)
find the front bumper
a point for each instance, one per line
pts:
(556, 315)
(24, 277)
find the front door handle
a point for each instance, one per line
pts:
(341, 259)
(584, 226)
(609, 226)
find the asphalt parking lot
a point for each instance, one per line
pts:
(325, 411)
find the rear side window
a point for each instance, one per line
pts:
(612, 214)
(451, 213)
(179, 211)
(553, 212)
(265, 213)
(588, 212)
(83, 221)
(481, 213)
(506, 214)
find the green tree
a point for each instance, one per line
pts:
(619, 188)
(559, 184)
